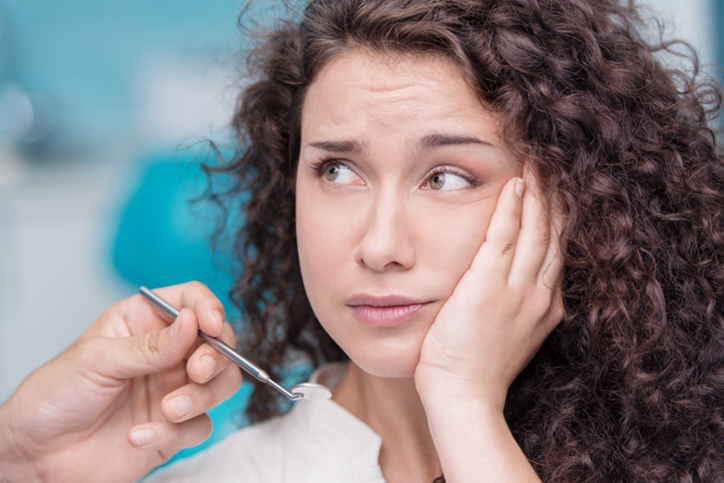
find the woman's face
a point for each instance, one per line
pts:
(399, 172)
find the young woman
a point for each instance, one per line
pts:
(505, 219)
(493, 227)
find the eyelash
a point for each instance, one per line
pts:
(457, 172)
(321, 165)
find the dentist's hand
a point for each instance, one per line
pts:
(122, 399)
(504, 306)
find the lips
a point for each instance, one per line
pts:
(385, 311)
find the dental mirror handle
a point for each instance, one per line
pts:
(221, 346)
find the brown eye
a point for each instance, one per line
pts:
(331, 171)
(437, 181)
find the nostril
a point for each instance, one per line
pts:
(386, 243)
(381, 255)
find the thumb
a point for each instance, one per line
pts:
(150, 353)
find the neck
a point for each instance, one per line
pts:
(392, 408)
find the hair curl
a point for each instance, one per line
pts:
(630, 386)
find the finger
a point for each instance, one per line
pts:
(534, 237)
(193, 399)
(206, 362)
(551, 271)
(166, 436)
(136, 316)
(197, 297)
(556, 313)
(140, 355)
(496, 254)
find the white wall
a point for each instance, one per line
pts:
(692, 21)
(56, 227)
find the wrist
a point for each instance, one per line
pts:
(473, 440)
(15, 464)
(443, 408)
(440, 391)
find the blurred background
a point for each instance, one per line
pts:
(101, 104)
(95, 100)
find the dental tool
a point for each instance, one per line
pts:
(304, 390)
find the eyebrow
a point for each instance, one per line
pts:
(338, 146)
(430, 141)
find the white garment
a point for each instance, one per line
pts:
(316, 441)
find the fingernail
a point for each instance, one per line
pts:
(180, 405)
(143, 436)
(176, 324)
(219, 318)
(208, 364)
(520, 187)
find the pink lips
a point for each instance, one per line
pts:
(385, 311)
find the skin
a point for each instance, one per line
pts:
(106, 408)
(477, 259)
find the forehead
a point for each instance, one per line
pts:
(360, 91)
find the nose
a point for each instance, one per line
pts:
(388, 241)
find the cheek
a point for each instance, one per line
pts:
(325, 241)
(449, 239)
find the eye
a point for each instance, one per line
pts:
(446, 181)
(338, 173)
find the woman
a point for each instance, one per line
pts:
(435, 187)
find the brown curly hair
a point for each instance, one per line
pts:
(630, 386)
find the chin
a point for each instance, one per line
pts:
(390, 359)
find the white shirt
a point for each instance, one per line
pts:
(316, 441)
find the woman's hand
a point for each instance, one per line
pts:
(497, 318)
(504, 306)
(121, 400)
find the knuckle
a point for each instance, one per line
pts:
(235, 377)
(197, 430)
(206, 426)
(559, 310)
(166, 455)
(550, 274)
(229, 335)
(544, 236)
(153, 343)
(543, 233)
(539, 306)
(197, 286)
(86, 351)
(150, 348)
(499, 244)
(505, 247)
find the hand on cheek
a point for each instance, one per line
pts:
(502, 309)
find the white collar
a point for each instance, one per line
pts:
(325, 428)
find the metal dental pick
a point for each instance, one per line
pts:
(305, 390)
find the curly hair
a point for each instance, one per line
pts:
(630, 386)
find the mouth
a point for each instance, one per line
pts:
(385, 311)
